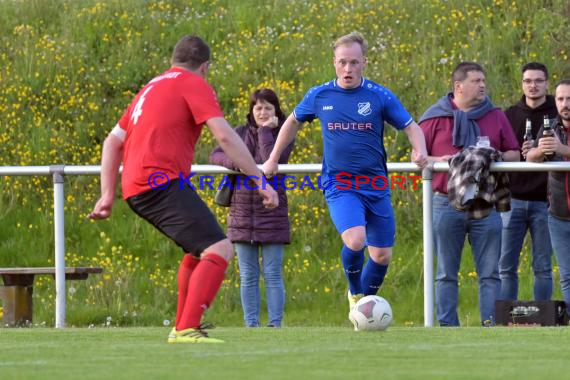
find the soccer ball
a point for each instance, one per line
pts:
(371, 313)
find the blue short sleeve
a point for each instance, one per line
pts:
(305, 111)
(394, 112)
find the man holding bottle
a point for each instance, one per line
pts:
(529, 206)
(556, 148)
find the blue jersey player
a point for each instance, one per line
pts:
(352, 111)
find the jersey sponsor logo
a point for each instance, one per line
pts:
(327, 108)
(364, 109)
(331, 126)
(166, 76)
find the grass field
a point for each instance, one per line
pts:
(288, 353)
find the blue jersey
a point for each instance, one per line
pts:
(352, 123)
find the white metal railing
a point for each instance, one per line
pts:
(58, 173)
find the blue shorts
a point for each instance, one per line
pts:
(350, 209)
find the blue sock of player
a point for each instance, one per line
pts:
(372, 277)
(352, 262)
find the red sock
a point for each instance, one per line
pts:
(187, 266)
(202, 289)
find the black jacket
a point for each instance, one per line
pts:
(558, 182)
(529, 186)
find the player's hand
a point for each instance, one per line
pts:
(526, 146)
(102, 209)
(419, 158)
(270, 197)
(270, 168)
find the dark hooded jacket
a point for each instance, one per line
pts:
(558, 182)
(249, 221)
(529, 186)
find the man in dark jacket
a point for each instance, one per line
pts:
(529, 207)
(557, 148)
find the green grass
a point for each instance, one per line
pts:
(288, 353)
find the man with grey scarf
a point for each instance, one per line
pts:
(449, 126)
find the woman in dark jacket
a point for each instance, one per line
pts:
(253, 228)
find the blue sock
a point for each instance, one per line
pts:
(372, 277)
(352, 262)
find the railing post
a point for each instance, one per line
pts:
(427, 174)
(59, 233)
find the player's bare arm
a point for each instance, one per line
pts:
(417, 140)
(236, 150)
(110, 163)
(286, 136)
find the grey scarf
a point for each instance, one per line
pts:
(465, 128)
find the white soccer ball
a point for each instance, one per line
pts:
(371, 313)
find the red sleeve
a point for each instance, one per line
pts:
(202, 101)
(508, 139)
(124, 120)
(427, 127)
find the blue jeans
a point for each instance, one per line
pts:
(450, 228)
(533, 216)
(271, 263)
(560, 235)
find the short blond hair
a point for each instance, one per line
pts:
(353, 37)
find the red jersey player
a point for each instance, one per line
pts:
(155, 138)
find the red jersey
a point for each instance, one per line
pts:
(438, 133)
(163, 124)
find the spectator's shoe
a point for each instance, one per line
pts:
(193, 335)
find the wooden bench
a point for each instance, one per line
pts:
(16, 294)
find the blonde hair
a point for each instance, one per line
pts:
(353, 37)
